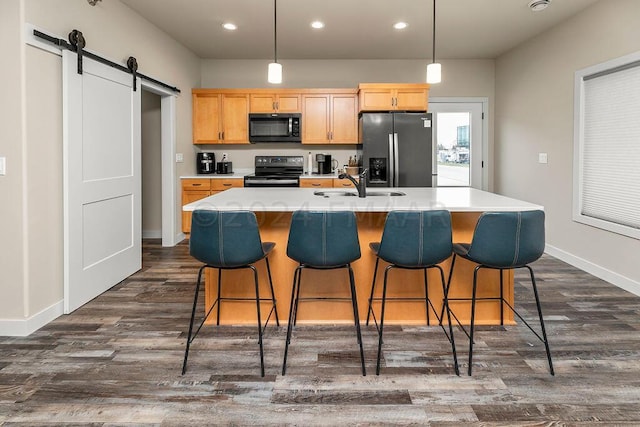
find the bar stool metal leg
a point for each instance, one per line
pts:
(373, 287)
(193, 314)
(354, 300)
(292, 305)
(544, 332)
(384, 299)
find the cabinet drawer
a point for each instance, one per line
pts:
(196, 184)
(226, 183)
(342, 183)
(316, 183)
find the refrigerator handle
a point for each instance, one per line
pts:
(392, 171)
(396, 155)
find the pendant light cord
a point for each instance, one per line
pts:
(434, 31)
(275, 30)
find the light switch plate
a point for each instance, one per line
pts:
(542, 158)
(179, 158)
(3, 165)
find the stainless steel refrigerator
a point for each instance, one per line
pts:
(397, 149)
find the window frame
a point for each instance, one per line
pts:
(608, 67)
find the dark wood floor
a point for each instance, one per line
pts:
(117, 360)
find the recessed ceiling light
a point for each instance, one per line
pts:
(229, 26)
(400, 25)
(538, 5)
(317, 24)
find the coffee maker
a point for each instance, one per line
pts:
(205, 163)
(324, 163)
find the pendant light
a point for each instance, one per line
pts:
(274, 74)
(434, 70)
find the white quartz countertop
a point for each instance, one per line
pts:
(292, 199)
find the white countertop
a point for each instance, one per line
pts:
(240, 173)
(292, 199)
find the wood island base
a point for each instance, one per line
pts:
(274, 227)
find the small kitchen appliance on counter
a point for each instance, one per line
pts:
(324, 164)
(224, 167)
(205, 163)
(276, 171)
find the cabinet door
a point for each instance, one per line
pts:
(411, 99)
(376, 100)
(263, 103)
(315, 119)
(188, 197)
(289, 103)
(206, 118)
(235, 110)
(344, 119)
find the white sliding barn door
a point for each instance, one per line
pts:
(102, 179)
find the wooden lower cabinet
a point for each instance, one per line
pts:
(199, 188)
(316, 183)
(325, 183)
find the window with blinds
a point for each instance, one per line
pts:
(607, 146)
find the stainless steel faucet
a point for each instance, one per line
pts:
(361, 184)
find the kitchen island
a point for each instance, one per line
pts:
(273, 208)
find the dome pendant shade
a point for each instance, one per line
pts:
(275, 73)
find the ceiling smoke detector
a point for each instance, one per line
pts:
(538, 5)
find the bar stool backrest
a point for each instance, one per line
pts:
(508, 239)
(416, 238)
(323, 239)
(225, 239)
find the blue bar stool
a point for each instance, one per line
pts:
(228, 241)
(413, 240)
(322, 241)
(504, 241)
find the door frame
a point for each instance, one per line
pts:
(168, 165)
(487, 164)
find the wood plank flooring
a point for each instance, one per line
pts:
(117, 361)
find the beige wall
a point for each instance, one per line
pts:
(31, 253)
(12, 186)
(534, 113)
(461, 78)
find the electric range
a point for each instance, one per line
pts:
(276, 171)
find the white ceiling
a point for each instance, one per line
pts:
(355, 29)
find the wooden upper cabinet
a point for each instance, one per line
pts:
(390, 97)
(220, 117)
(330, 117)
(315, 119)
(207, 109)
(235, 119)
(275, 103)
(344, 118)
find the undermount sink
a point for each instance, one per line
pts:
(329, 193)
(385, 193)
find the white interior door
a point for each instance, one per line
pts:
(102, 179)
(458, 137)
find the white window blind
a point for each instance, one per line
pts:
(609, 148)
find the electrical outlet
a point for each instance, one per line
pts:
(542, 158)
(3, 165)
(224, 156)
(179, 158)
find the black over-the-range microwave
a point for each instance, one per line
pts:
(274, 127)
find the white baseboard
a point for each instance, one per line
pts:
(152, 234)
(596, 270)
(25, 327)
